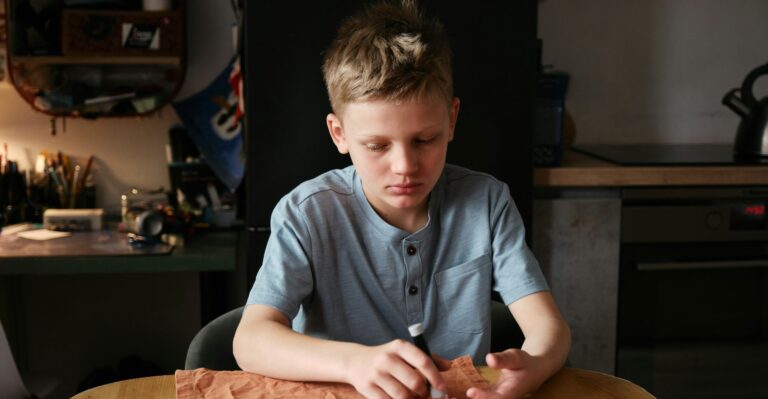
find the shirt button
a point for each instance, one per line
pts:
(413, 290)
(411, 250)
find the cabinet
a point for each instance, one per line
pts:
(577, 228)
(576, 241)
(93, 58)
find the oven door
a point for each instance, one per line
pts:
(693, 318)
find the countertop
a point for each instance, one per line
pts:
(579, 170)
(204, 251)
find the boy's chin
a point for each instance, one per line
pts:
(408, 203)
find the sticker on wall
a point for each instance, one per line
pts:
(143, 36)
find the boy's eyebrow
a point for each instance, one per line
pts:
(434, 129)
(367, 137)
(370, 136)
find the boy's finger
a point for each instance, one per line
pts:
(508, 359)
(442, 363)
(416, 358)
(393, 387)
(412, 380)
(477, 393)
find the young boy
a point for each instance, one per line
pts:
(358, 255)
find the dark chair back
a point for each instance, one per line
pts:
(505, 333)
(211, 347)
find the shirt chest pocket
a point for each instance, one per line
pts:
(464, 293)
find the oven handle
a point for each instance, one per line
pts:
(720, 264)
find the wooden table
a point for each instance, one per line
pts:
(568, 383)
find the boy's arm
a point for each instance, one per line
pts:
(265, 344)
(544, 351)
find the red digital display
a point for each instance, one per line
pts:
(755, 210)
(749, 216)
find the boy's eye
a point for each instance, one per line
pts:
(425, 141)
(375, 147)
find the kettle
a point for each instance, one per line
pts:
(752, 135)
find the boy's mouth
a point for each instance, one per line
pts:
(405, 188)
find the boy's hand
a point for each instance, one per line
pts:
(394, 370)
(519, 376)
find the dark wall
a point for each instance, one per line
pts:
(495, 66)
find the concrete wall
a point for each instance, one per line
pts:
(577, 244)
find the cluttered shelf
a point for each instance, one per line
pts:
(93, 60)
(96, 58)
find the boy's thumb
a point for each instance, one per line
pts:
(508, 359)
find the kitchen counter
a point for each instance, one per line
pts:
(579, 170)
(577, 232)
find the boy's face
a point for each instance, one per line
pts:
(398, 150)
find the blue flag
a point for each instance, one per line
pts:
(211, 117)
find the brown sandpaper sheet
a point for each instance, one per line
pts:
(211, 384)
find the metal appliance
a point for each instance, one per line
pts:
(752, 135)
(693, 292)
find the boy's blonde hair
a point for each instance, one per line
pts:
(388, 52)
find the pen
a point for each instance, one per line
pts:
(63, 179)
(75, 186)
(417, 333)
(60, 158)
(58, 186)
(87, 169)
(4, 161)
(54, 176)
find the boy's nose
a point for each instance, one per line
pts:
(404, 161)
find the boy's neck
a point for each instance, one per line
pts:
(410, 220)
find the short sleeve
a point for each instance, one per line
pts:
(285, 277)
(516, 271)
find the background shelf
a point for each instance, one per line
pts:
(94, 60)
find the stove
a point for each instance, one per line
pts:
(666, 154)
(693, 289)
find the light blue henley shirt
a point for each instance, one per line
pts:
(339, 271)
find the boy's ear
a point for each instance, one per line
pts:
(337, 133)
(454, 115)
